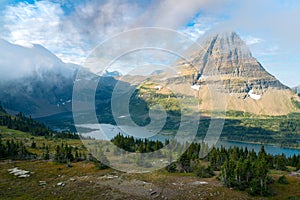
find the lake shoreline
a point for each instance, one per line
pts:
(257, 143)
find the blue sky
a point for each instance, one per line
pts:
(71, 29)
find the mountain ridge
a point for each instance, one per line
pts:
(225, 61)
(37, 83)
(243, 76)
(234, 60)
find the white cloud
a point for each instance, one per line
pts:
(33, 22)
(18, 61)
(250, 40)
(39, 23)
(71, 36)
(171, 14)
(24, 43)
(97, 21)
(199, 26)
(276, 19)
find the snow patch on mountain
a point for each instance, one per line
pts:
(254, 96)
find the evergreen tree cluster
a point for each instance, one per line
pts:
(65, 153)
(217, 157)
(239, 168)
(129, 143)
(190, 161)
(247, 171)
(11, 149)
(27, 124)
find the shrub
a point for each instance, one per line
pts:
(282, 180)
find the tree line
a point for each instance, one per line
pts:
(239, 168)
(27, 124)
(65, 153)
(12, 149)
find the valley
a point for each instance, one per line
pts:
(82, 178)
(222, 81)
(155, 99)
(282, 131)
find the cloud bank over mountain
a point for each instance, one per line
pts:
(17, 61)
(70, 33)
(71, 29)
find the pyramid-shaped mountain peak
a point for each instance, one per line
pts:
(229, 43)
(228, 55)
(225, 62)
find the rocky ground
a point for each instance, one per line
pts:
(48, 180)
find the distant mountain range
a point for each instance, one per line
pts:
(36, 82)
(111, 73)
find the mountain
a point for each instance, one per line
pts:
(2, 111)
(40, 84)
(239, 70)
(34, 81)
(18, 61)
(224, 62)
(297, 90)
(248, 86)
(111, 73)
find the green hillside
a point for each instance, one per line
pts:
(57, 165)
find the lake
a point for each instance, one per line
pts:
(99, 130)
(108, 131)
(274, 150)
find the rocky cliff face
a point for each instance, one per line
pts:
(225, 60)
(227, 54)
